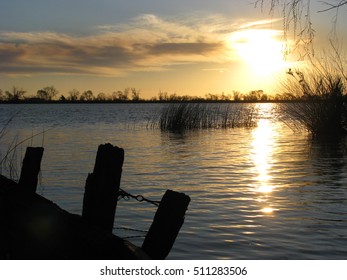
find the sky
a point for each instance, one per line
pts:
(190, 47)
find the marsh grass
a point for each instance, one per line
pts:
(184, 116)
(8, 160)
(11, 158)
(321, 108)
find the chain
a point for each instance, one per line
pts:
(122, 194)
(144, 232)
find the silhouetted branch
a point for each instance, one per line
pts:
(297, 17)
(332, 6)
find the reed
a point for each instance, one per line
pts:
(11, 158)
(188, 116)
(322, 108)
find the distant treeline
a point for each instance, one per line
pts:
(50, 94)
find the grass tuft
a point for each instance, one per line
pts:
(189, 116)
(322, 105)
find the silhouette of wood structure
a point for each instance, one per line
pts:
(102, 187)
(166, 224)
(32, 227)
(31, 168)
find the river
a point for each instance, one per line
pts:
(256, 193)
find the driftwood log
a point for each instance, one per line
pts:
(32, 227)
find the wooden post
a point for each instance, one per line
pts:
(32, 227)
(102, 186)
(31, 168)
(166, 224)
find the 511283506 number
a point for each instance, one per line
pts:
(219, 270)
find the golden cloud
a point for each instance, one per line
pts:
(146, 42)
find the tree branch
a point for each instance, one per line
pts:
(332, 6)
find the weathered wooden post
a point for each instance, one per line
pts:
(31, 168)
(166, 224)
(32, 227)
(102, 186)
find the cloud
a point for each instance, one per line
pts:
(145, 43)
(265, 23)
(37, 53)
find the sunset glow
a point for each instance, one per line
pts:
(187, 48)
(263, 146)
(261, 49)
(262, 151)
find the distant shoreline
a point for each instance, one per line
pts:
(37, 101)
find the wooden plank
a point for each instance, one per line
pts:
(32, 227)
(102, 187)
(166, 224)
(31, 168)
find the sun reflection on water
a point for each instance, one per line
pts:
(267, 210)
(262, 153)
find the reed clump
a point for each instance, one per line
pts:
(321, 108)
(11, 157)
(188, 116)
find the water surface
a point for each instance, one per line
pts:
(260, 193)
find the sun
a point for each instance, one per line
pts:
(260, 49)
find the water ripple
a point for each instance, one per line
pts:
(262, 193)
